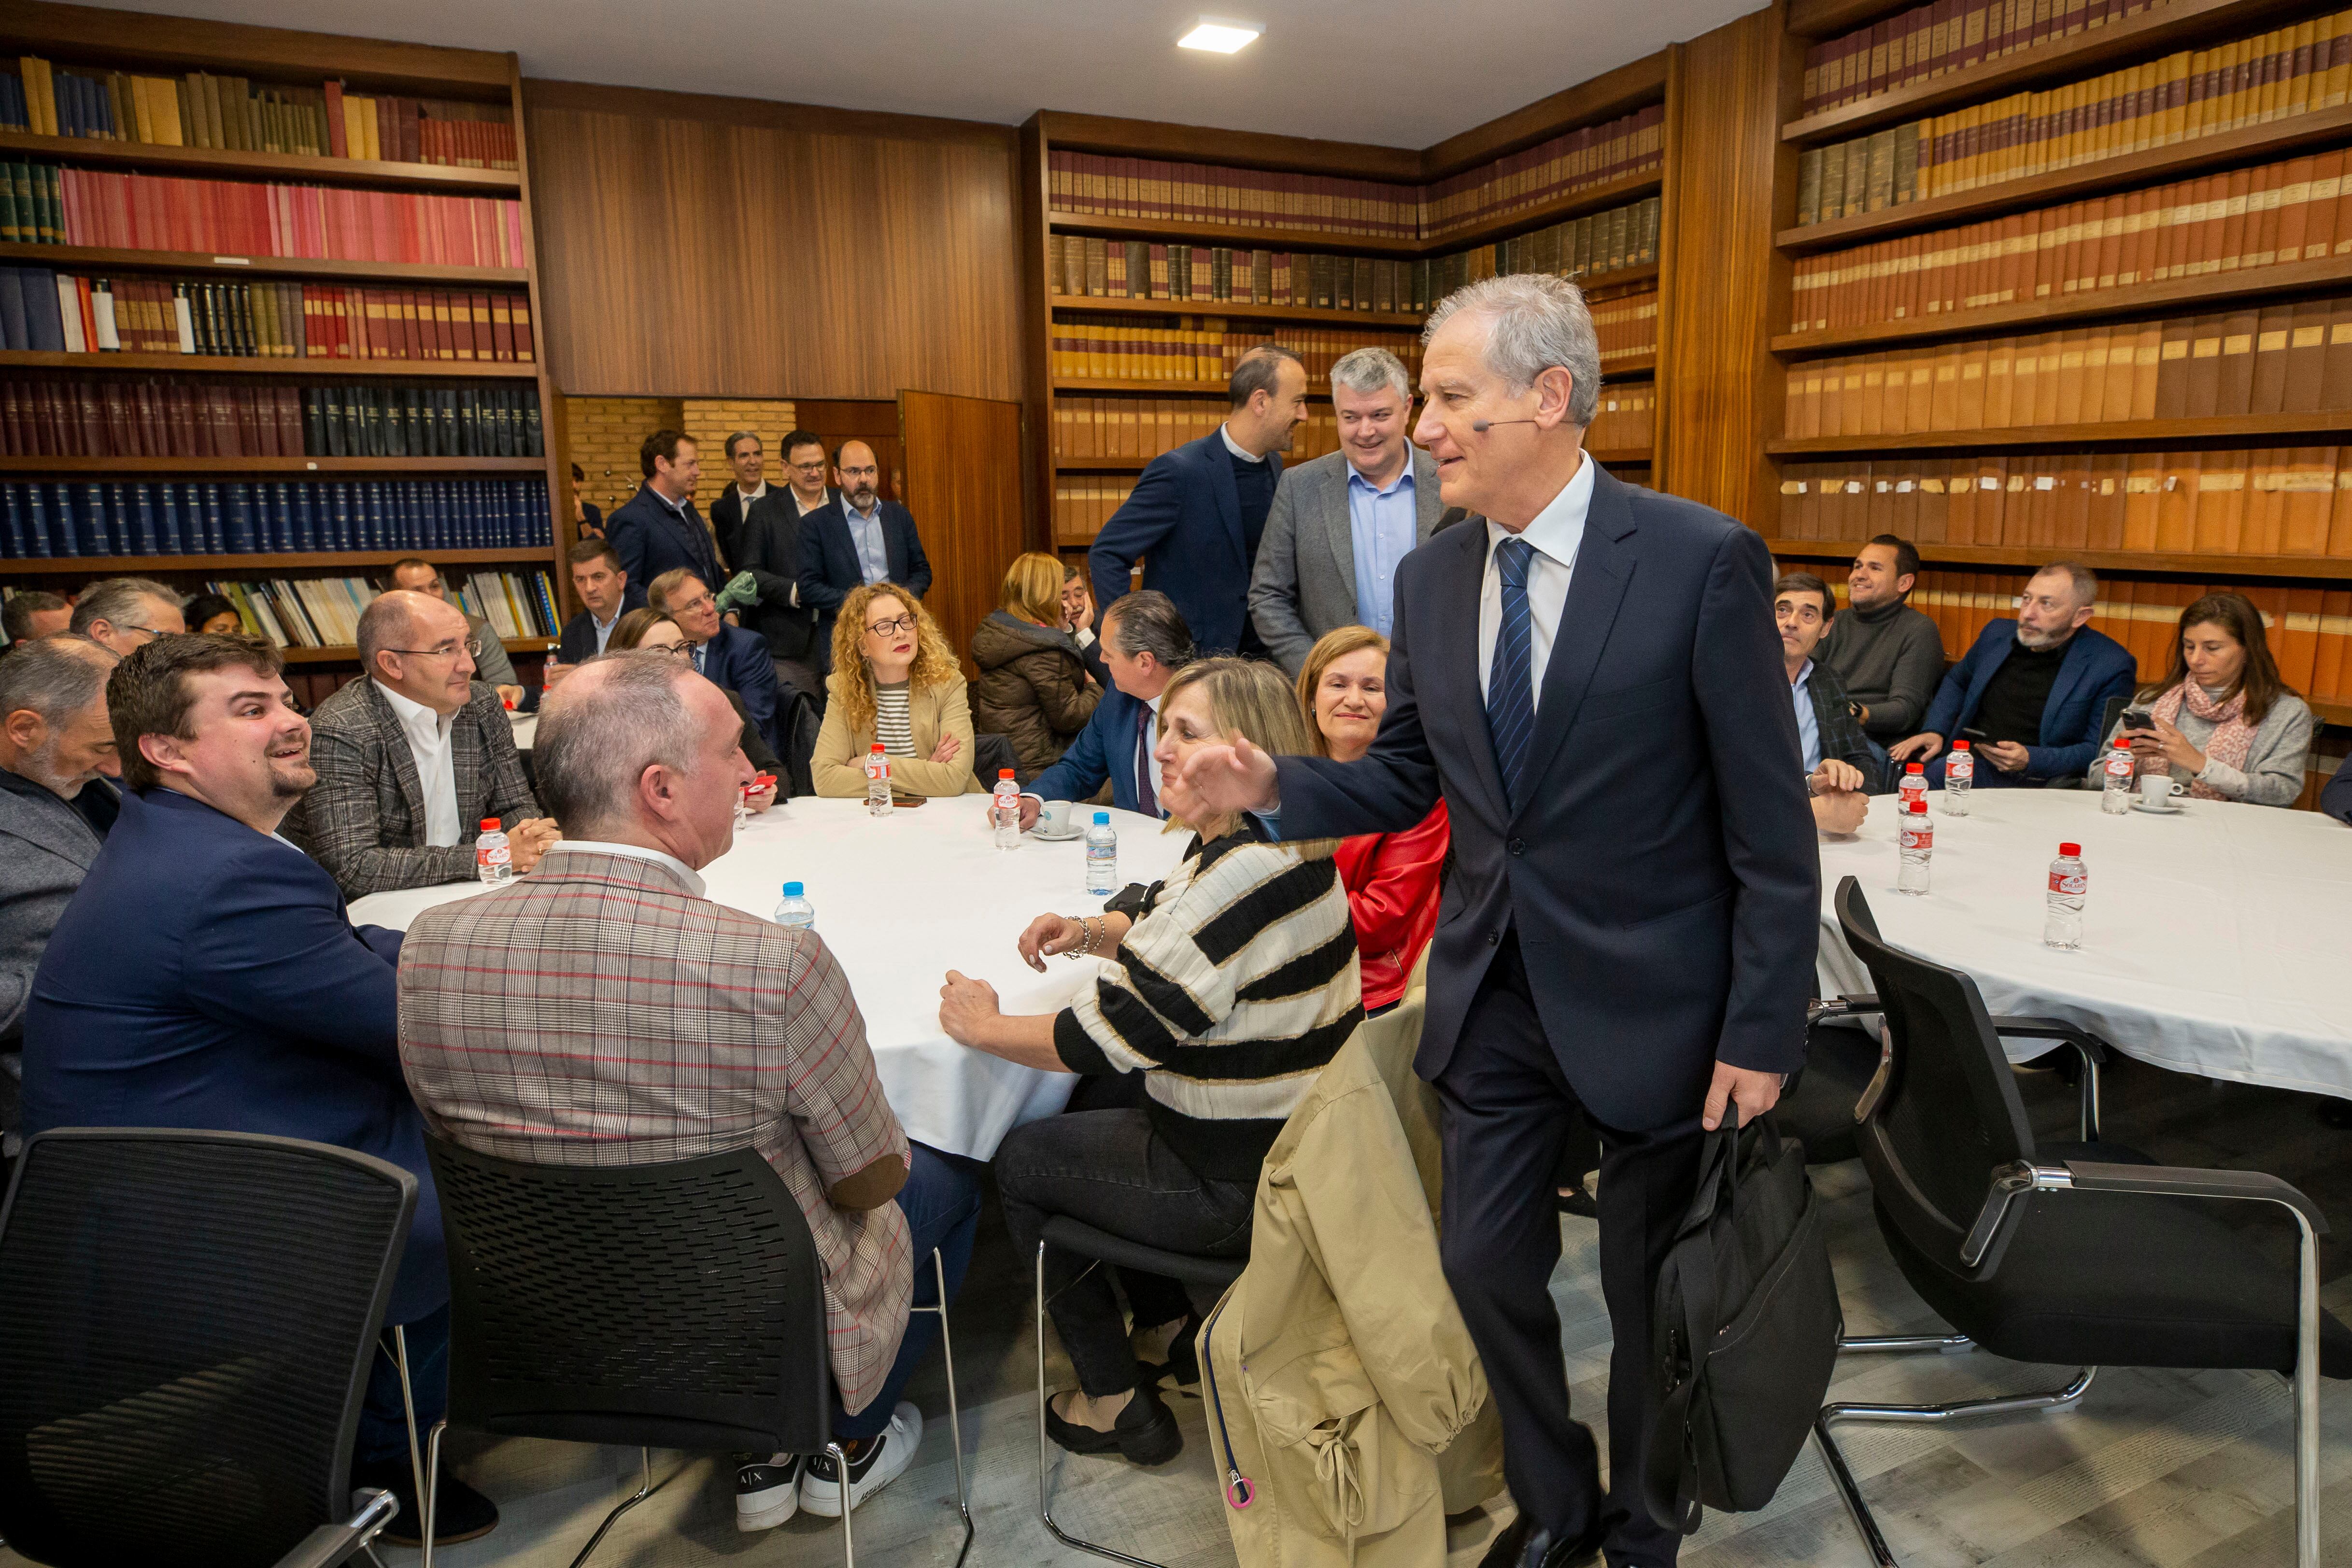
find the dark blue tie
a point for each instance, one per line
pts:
(1511, 684)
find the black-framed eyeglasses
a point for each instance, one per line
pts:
(471, 647)
(885, 627)
(676, 650)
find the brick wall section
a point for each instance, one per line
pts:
(712, 420)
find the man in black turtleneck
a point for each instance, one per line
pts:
(1889, 656)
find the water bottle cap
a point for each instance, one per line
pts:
(1918, 808)
(1004, 773)
(791, 890)
(2122, 745)
(489, 825)
(1956, 746)
(876, 747)
(1916, 768)
(2070, 850)
(1102, 819)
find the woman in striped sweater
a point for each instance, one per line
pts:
(1237, 981)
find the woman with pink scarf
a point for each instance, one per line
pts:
(2221, 720)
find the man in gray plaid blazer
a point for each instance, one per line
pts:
(412, 757)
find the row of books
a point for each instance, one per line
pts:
(2279, 358)
(1929, 41)
(1201, 348)
(75, 313)
(152, 417)
(201, 110)
(172, 212)
(324, 611)
(1626, 420)
(2273, 501)
(1627, 326)
(1129, 427)
(1089, 266)
(2300, 210)
(1585, 249)
(2195, 93)
(42, 519)
(1149, 189)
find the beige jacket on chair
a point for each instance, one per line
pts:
(1338, 1366)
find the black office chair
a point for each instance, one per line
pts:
(2066, 1254)
(186, 1319)
(678, 1305)
(1100, 1247)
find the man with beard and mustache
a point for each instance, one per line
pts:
(205, 975)
(858, 540)
(2032, 694)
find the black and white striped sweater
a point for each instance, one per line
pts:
(1236, 984)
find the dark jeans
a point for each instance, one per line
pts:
(941, 1203)
(384, 1421)
(1109, 1169)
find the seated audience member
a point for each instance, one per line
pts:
(1242, 917)
(730, 656)
(209, 614)
(57, 800)
(2032, 691)
(492, 667)
(730, 1032)
(2220, 722)
(651, 631)
(588, 517)
(125, 613)
(2337, 799)
(1078, 617)
(858, 540)
(1033, 686)
(895, 680)
(1391, 878)
(205, 975)
(412, 758)
(1836, 755)
(1888, 654)
(605, 594)
(1144, 643)
(33, 613)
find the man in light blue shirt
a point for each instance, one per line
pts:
(863, 506)
(1841, 768)
(1383, 529)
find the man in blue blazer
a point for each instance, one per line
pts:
(1197, 512)
(658, 529)
(857, 537)
(606, 593)
(728, 655)
(2033, 691)
(1587, 674)
(205, 975)
(1144, 643)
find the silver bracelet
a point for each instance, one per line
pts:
(1086, 926)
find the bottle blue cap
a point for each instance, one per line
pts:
(1102, 819)
(791, 890)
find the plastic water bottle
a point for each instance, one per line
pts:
(2115, 790)
(2063, 926)
(1960, 774)
(1102, 856)
(1918, 844)
(1004, 812)
(795, 912)
(877, 781)
(1914, 787)
(493, 858)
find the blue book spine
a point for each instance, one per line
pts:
(306, 516)
(281, 515)
(236, 510)
(341, 534)
(122, 524)
(12, 521)
(143, 539)
(89, 519)
(38, 540)
(168, 535)
(216, 526)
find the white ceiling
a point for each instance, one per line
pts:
(1403, 73)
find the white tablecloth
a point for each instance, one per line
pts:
(526, 728)
(902, 900)
(2217, 941)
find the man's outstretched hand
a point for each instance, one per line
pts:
(1756, 1092)
(1232, 776)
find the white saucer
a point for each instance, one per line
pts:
(2158, 810)
(1043, 837)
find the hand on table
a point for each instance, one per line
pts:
(967, 1007)
(1755, 1093)
(1834, 775)
(945, 751)
(528, 838)
(1232, 775)
(759, 800)
(2008, 756)
(2171, 744)
(1839, 811)
(1920, 748)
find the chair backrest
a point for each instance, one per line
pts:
(676, 1306)
(186, 1321)
(1944, 1112)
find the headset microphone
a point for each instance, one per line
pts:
(1483, 425)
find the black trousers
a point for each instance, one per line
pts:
(1508, 1115)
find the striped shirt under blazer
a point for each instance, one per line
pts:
(1237, 982)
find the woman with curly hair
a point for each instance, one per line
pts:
(895, 679)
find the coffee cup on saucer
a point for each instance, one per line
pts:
(2157, 791)
(1056, 819)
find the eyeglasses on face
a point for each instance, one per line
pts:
(697, 603)
(471, 647)
(886, 628)
(677, 650)
(868, 471)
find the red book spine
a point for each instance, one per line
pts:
(336, 146)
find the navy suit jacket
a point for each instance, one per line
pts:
(205, 975)
(651, 539)
(829, 566)
(578, 644)
(1184, 520)
(739, 661)
(2096, 668)
(1105, 749)
(1660, 872)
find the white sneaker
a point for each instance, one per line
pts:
(767, 1492)
(881, 1464)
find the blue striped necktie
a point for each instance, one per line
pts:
(1511, 684)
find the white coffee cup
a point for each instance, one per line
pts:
(1055, 817)
(2157, 790)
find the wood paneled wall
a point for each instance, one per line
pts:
(731, 247)
(968, 512)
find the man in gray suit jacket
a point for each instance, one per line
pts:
(1340, 523)
(54, 808)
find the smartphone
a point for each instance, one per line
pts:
(1973, 737)
(2140, 718)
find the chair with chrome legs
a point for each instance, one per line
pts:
(2061, 1254)
(1100, 1247)
(676, 1306)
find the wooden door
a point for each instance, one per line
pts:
(963, 485)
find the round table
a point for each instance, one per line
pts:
(902, 900)
(2217, 941)
(526, 728)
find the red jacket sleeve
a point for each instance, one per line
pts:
(1391, 881)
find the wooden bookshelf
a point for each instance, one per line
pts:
(2226, 430)
(1237, 310)
(1242, 235)
(80, 37)
(1542, 214)
(1639, 367)
(1622, 456)
(2265, 567)
(1143, 384)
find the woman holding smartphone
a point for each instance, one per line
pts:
(2221, 720)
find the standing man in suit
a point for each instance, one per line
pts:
(604, 589)
(861, 539)
(2036, 688)
(1197, 514)
(1144, 643)
(1587, 674)
(749, 459)
(804, 470)
(730, 656)
(767, 543)
(658, 530)
(1342, 522)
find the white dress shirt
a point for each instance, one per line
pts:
(1152, 754)
(1556, 533)
(1237, 449)
(437, 765)
(686, 874)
